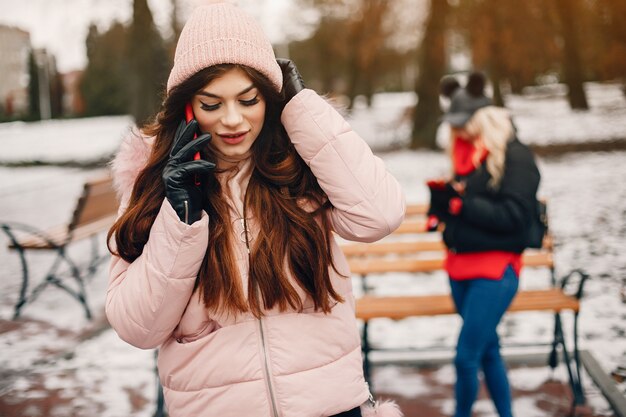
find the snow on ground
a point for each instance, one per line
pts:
(587, 207)
(61, 141)
(544, 119)
(542, 116)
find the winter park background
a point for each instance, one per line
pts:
(55, 356)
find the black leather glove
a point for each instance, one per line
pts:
(440, 195)
(184, 178)
(292, 80)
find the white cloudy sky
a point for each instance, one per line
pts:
(61, 25)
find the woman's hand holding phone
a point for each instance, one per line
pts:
(183, 191)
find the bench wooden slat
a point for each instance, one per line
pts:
(98, 200)
(59, 234)
(403, 247)
(412, 226)
(374, 265)
(396, 308)
(97, 207)
(95, 212)
(94, 227)
(378, 265)
(385, 248)
(416, 209)
(420, 209)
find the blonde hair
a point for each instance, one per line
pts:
(494, 128)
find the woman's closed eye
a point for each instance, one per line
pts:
(209, 107)
(212, 107)
(254, 100)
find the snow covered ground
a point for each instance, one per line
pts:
(587, 207)
(62, 141)
(542, 116)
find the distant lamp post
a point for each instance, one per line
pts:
(43, 75)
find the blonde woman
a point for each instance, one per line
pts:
(486, 210)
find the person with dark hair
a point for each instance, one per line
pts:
(486, 211)
(224, 255)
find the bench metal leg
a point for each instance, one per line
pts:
(52, 277)
(574, 375)
(365, 346)
(553, 358)
(160, 405)
(81, 294)
(24, 287)
(579, 395)
(96, 259)
(577, 352)
(160, 399)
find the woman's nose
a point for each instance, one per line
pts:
(232, 117)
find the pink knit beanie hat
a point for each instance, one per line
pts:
(222, 33)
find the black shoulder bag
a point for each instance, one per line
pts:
(538, 226)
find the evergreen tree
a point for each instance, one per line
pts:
(104, 86)
(322, 59)
(432, 64)
(56, 92)
(148, 63)
(34, 111)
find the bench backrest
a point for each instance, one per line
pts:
(97, 202)
(424, 254)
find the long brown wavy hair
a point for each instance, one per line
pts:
(289, 234)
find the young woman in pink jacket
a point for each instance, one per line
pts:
(228, 263)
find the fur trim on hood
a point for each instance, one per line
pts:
(386, 408)
(131, 157)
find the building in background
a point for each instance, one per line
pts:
(73, 103)
(14, 49)
(50, 85)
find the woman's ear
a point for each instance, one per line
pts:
(476, 84)
(448, 85)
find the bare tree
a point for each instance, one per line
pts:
(431, 64)
(568, 11)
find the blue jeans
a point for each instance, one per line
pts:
(481, 304)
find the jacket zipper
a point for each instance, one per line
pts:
(267, 370)
(265, 360)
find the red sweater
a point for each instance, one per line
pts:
(490, 264)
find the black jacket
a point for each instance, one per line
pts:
(496, 219)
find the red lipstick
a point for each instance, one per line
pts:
(233, 138)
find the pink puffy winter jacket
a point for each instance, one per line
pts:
(287, 364)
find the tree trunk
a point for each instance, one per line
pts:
(572, 61)
(431, 64)
(496, 63)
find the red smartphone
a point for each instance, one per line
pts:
(189, 117)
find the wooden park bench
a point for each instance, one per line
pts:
(425, 252)
(94, 213)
